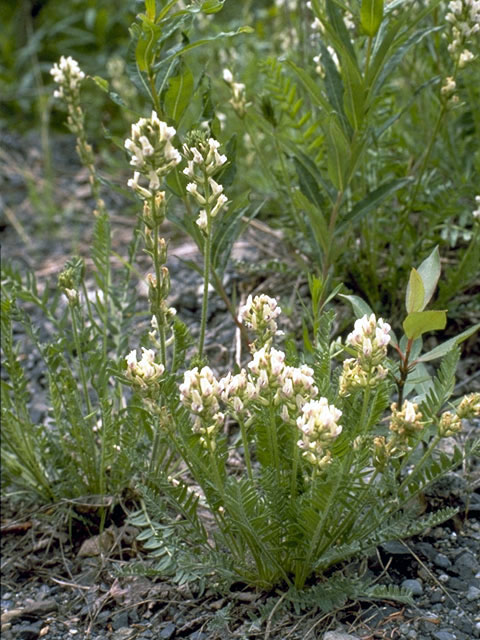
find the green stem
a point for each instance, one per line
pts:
(78, 347)
(207, 251)
(331, 228)
(272, 430)
(158, 276)
(295, 458)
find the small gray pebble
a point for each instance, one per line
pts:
(120, 620)
(414, 586)
(436, 596)
(167, 632)
(338, 635)
(441, 560)
(443, 635)
(473, 593)
(466, 563)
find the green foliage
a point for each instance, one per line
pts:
(330, 466)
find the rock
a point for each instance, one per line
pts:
(436, 596)
(395, 548)
(426, 549)
(120, 620)
(443, 635)
(28, 631)
(441, 560)
(124, 633)
(40, 608)
(11, 615)
(168, 631)
(457, 584)
(414, 586)
(465, 564)
(473, 593)
(339, 635)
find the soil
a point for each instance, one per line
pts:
(61, 580)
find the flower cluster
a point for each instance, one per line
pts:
(152, 153)
(464, 16)
(200, 392)
(369, 341)
(237, 391)
(288, 387)
(469, 407)
(145, 373)
(319, 427)
(259, 314)
(448, 89)
(68, 75)
(203, 161)
(449, 424)
(407, 422)
(238, 100)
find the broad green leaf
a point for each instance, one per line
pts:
(359, 306)
(333, 85)
(442, 349)
(354, 97)
(370, 202)
(415, 296)
(429, 271)
(338, 154)
(386, 61)
(419, 322)
(371, 15)
(100, 82)
(179, 92)
(315, 218)
(335, 26)
(212, 6)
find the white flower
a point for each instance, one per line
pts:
(227, 76)
(465, 57)
(319, 427)
(410, 413)
(192, 189)
(68, 75)
(152, 153)
(202, 220)
(145, 372)
(219, 204)
(259, 313)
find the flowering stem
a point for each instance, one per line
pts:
(78, 347)
(207, 250)
(295, 457)
(404, 370)
(158, 275)
(331, 229)
(273, 437)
